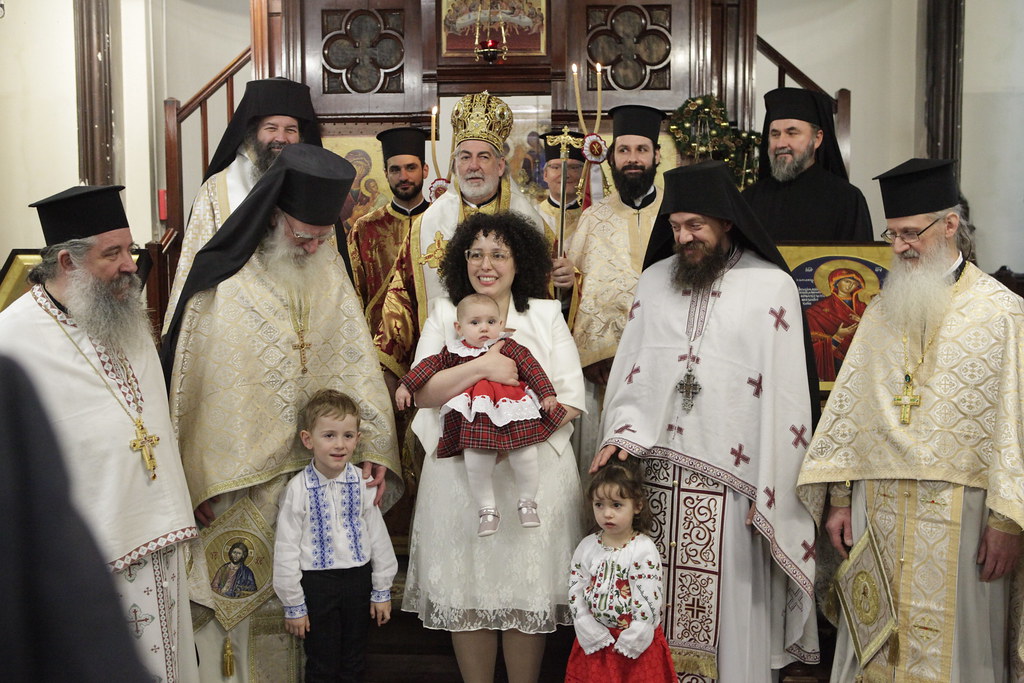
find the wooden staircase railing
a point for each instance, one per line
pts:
(164, 254)
(840, 102)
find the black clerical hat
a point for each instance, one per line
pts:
(314, 185)
(80, 212)
(403, 141)
(555, 151)
(636, 119)
(804, 105)
(795, 103)
(709, 189)
(266, 97)
(918, 186)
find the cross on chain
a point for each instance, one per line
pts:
(810, 553)
(689, 387)
(780, 317)
(907, 400)
(799, 434)
(625, 428)
(629, 377)
(632, 309)
(770, 493)
(675, 428)
(302, 346)
(737, 453)
(689, 357)
(143, 443)
(757, 384)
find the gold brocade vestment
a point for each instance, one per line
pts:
(925, 486)
(608, 248)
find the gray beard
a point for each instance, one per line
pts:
(289, 265)
(697, 275)
(116, 323)
(262, 157)
(784, 171)
(917, 291)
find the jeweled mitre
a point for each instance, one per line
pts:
(482, 116)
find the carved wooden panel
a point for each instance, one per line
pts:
(645, 49)
(363, 60)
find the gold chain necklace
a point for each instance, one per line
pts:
(908, 399)
(144, 442)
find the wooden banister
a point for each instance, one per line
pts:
(166, 251)
(787, 71)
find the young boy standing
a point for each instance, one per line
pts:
(333, 560)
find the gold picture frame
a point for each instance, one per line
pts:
(14, 275)
(525, 26)
(818, 269)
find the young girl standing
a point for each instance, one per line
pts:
(615, 588)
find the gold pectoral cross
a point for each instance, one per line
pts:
(301, 346)
(906, 400)
(144, 443)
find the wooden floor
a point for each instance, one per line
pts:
(404, 651)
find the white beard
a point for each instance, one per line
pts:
(917, 290)
(117, 323)
(290, 265)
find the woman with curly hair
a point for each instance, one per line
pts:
(476, 586)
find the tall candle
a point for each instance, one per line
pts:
(433, 140)
(597, 124)
(576, 87)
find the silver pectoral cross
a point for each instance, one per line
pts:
(689, 387)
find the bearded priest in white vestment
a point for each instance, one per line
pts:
(925, 420)
(268, 317)
(272, 113)
(83, 336)
(709, 389)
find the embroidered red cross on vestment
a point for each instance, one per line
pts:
(674, 428)
(689, 356)
(780, 317)
(632, 309)
(758, 387)
(799, 434)
(738, 454)
(770, 493)
(811, 553)
(629, 377)
(625, 428)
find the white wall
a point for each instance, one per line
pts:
(993, 130)
(193, 41)
(867, 46)
(39, 155)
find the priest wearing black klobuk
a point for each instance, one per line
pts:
(267, 317)
(710, 391)
(803, 192)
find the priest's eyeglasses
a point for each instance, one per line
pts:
(309, 237)
(908, 236)
(497, 257)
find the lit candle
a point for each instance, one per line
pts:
(576, 87)
(433, 139)
(597, 124)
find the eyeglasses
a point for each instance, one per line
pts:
(309, 237)
(478, 255)
(908, 236)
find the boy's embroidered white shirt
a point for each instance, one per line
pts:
(329, 524)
